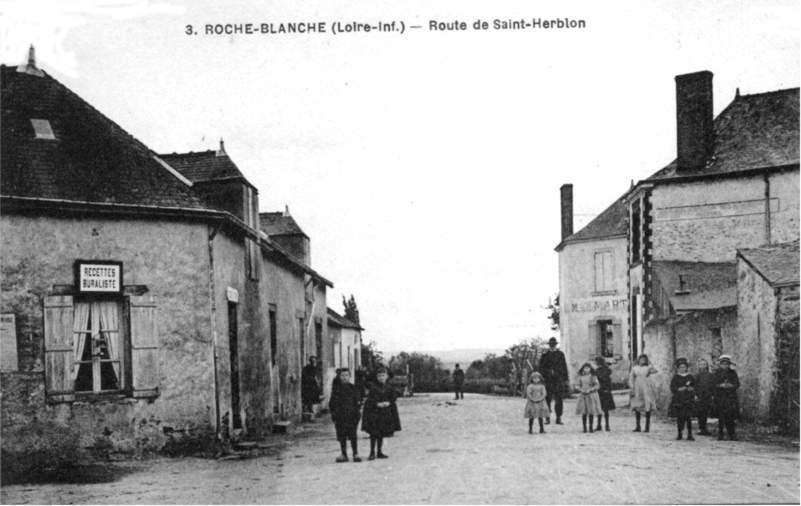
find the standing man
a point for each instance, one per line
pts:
(458, 381)
(553, 368)
(309, 388)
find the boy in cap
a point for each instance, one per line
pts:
(725, 403)
(345, 406)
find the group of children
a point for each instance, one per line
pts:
(704, 395)
(595, 397)
(379, 415)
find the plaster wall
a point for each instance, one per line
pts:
(582, 305)
(171, 259)
(283, 287)
(707, 221)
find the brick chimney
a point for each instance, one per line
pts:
(694, 120)
(567, 210)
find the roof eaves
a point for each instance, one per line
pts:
(568, 241)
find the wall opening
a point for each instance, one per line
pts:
(233, 344)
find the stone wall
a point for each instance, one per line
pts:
(692, 336)
(755, 354)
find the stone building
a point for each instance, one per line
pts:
(141, 301)
(766, 350)
(733, 186)
(592, 288)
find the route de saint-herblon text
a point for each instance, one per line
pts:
(396, 26)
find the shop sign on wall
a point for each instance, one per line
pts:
(98, 276)
(8, 343)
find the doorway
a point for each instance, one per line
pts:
(233, 343)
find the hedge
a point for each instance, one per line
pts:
(473, 386)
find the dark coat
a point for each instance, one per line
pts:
(704, 388)
(458, 377)
(309, 389)
(683, 403)
(381, 422)
(345, 406)
(361, 382)
(725, 404)
(604, 375)
(553, 368)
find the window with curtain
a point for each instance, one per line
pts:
(95, 346)
(97, 343)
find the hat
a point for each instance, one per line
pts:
(600, 360)
(552, 340)
(725, 358)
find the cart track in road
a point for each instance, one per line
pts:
(474, 451)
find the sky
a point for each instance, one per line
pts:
(425, 165)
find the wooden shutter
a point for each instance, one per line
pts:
(144, 347)
(59, 355)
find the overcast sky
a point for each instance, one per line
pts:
(425, 165)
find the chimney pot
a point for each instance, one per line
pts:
(567, 210)
(694, 120)
(222, 152)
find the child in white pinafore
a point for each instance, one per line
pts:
(589, 404)
(536, 407)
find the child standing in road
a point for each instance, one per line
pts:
(588, 403)
(643, 397)
(536, 407)
(604, 375)
(725, 403)
(703, 390)
(345, 406)
(380, 414)
(683, 388)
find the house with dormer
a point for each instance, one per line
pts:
(142, 303)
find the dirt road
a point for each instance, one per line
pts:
(476, 451)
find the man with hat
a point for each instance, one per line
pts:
(725, 402)
(553, 368)
(309, 388)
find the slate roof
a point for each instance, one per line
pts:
(340, 321)
(92, 159)
(754, 131)
(710, 285)
(278, 223)
(777, 263)
(610, 223)
(204, 166)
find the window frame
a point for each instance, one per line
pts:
(139, 354)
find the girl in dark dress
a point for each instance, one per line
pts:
(725, 402)
(604, 375)
(380, 414)
(683, 403)
(345, 406)
(703, 391)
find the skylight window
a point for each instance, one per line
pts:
(43, 129)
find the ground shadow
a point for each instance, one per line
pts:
(80, 474)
